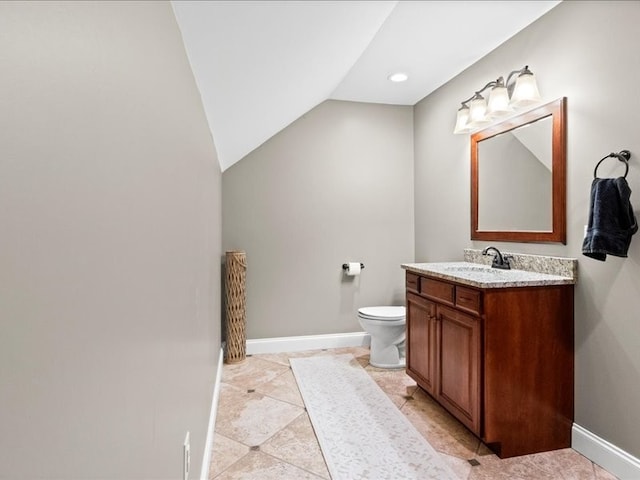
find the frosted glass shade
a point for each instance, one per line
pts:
(498, 104)
(478, 113)
(526, 91)
(462, 120)
(477, 109)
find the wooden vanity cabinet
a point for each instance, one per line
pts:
(422, 332)
(443, 350)
(500, 360)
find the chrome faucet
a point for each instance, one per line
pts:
(499, 261)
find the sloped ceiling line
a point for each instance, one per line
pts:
(260, 65)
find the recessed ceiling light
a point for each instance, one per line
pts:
(398, 77)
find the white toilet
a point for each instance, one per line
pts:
(386, 325)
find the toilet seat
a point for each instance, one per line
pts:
(382, 313)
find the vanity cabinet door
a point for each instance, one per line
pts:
(421, 342)
(459, 365)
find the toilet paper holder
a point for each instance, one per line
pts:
(345, 266)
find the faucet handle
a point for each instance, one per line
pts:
(502, 262)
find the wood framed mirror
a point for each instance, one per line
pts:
(518, 177)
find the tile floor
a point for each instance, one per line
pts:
(262, 431)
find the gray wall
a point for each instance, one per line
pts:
(110, 245)
(333, 187)
(586, 51)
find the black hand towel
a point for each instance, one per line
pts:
(611, 219)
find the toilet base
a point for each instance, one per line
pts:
(396, 366)
(387, 356)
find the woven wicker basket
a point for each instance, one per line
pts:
(236, 270)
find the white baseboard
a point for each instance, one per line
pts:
(615, 460)
(307, 342)
(208, 445)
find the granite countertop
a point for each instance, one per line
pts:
(483, 276)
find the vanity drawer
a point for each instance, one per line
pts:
(413, 282)
(438, 290)
(468, 299)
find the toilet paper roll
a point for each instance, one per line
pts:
(353, 269)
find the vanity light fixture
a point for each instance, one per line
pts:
(504, 98)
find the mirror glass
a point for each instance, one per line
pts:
(518, 177)
(516, 165)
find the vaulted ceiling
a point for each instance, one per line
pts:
(260, 65)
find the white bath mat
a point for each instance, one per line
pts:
(362, 434)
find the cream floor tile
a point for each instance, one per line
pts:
(283, 387)
(483, 450)
(360, 353)
(440, 429)
(461, 467)
(395, 383)
(251, 418)
(297, 444)
(273, 417)
(283, 358)
(565, 464)
(567, 461)
(225, 453)
(257, 465)
(602, 474)
(251, 373)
